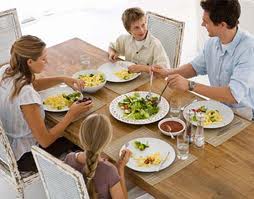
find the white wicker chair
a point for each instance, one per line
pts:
(10, 31)
(170, 34)
(60, 181)
(9, 169)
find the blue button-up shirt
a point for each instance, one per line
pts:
(230, 65)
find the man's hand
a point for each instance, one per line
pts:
(178, 82)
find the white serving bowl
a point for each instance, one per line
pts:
(91, 89)
(172, 133)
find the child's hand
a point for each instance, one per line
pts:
(124, 158)
(137, 68)
(113, 55)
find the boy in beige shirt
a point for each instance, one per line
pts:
(140, 46)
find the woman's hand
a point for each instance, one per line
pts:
(137, 68)
(77, 108)
(76, 84)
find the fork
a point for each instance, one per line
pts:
(159, 168)
(158, 101)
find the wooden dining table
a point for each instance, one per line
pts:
(226, 171)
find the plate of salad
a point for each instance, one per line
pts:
(134, 108)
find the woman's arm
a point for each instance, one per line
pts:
(45, 83)
(45, 136)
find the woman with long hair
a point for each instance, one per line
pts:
(21, 110)
(103, 179)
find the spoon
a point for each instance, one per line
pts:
(169, 131)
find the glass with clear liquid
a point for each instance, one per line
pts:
(175, 108)
(182, 146)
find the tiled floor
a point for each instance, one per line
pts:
(97, 22)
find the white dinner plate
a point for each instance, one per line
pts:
(155, 145)
(225, 111)
(118, 113)
(55, 91)
(110, 68)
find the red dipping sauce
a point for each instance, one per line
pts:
(171, 126)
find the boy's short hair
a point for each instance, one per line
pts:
(223, 11)
(131, 15)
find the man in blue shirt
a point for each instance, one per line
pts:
(227, 58)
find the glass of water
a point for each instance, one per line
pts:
(84, 62)
(175, 108)
(182, 146)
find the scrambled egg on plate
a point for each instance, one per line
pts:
(211, 116)
(57, 102)
(124, 74)
(92, 79)
(153, 159)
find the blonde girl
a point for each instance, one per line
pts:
(103, 179)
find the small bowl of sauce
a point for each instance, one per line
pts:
(171, 126)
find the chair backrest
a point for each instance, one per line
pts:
(10, 31)
(60, 181)
(170, 34)
(8, 163)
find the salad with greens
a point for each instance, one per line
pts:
(137, 108)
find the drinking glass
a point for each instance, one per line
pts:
(182, 146)
(175, 108)
(84, 61)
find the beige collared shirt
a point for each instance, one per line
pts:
(151, 52)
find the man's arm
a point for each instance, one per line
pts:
(222, 94)
(186, 71)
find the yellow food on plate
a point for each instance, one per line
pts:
(57, 102)
(92, 79)
(154, 159)
(124, 74)
(212, 116)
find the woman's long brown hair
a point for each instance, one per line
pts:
(26, 47)
(95, 133)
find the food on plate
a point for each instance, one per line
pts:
(85, 99)
(124, 74)
(136, 107)
(61, 101)
(211, 116)
(153, 159)
(141, 146)
(92, 79)
(171, 126)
